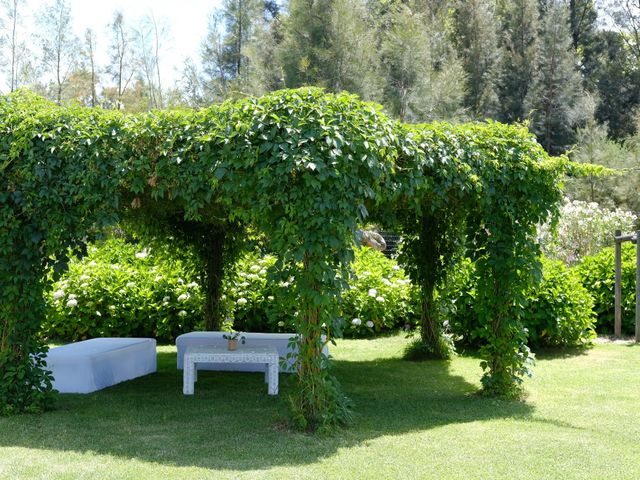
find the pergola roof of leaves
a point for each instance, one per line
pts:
(305, 167)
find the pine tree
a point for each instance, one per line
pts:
(330, 43)
(477, 43)
(556, 99)
(518, 50)
(424, 80)
(583, 15)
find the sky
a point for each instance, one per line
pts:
(186, 22)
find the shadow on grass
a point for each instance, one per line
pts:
(231, 423)
(541, 353)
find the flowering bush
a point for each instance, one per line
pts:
(380, 297)
(559, 311)
(584, 229)
(122, 290)
(256, 302)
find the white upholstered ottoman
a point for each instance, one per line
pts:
(280, 341)
(91, 365)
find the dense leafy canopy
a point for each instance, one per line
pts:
(302, 166)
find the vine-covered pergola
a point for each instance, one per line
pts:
(305, 168)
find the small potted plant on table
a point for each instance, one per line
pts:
(231, 336)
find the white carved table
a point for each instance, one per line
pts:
(213, 354)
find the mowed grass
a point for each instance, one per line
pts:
(581, 420)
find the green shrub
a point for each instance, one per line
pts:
(122, 290)
(597, 274)
(256, 302)
(559, 311)
(380, 297)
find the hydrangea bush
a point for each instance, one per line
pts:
(380, 297)
(122, 290)
(254, 300)
(559, 310)
(584, 228)
(597, 275)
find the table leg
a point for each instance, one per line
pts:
(273, 378)
(188, 376)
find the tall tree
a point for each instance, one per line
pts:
(613, 74)
(330, 43)
(477, 43)
(556, 98)
(18, 62)
(264, 68)
(224, 57)
(148, 37)
(626, 15)
(60, 46)
(122, 63)
(89, 53)
(423, 78)
(583, 15)
(518, 49)
(216, 76)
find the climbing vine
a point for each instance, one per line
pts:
(302, 166)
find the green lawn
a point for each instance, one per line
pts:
(413, 420)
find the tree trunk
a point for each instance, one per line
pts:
(213, 275)
(430, 328)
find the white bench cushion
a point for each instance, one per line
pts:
(91, 365)
(278, 340)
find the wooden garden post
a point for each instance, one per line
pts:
(617, 325)
(638, 286)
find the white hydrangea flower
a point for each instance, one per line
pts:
(84, 285)
(380, 299)
(58, 294)
(166, 299)
(93, 263)
(255, 268)
(387, 282)
(130, 284)
(281, 323)
(72, 303)
(143, 254)
(369, 324)
(182, 313)
(396, 267)
(158, 278)
(98, 313)
(112, 307)
(84, 277)
(183, 297)
(373, 292)
(356, 321)
(270, 298)
(241, 301)
(115, 266)
(180, 281)
(72, 296)
(263, 272)
(192, 285)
